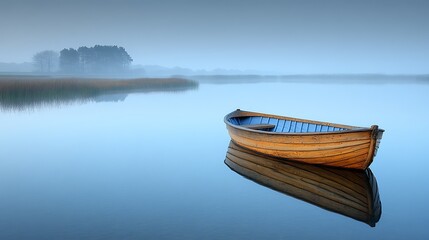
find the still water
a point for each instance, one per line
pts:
(151, 165)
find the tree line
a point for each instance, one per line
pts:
(84, 60)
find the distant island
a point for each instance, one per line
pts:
(103, 61)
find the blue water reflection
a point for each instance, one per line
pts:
(152, 166)
(352, 193)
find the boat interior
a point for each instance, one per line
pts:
(280, 125)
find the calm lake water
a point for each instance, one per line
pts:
(151, 165)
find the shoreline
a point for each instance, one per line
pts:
(21, 93)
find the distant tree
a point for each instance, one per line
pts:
(95, 60)
(46, 61)
(125, 58)
(104, 59)
(86, 57)
(69, 60)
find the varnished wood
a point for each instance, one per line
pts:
(337, 145)
(352, 193)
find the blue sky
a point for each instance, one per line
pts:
(296, 37)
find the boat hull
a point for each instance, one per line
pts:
(347, 149)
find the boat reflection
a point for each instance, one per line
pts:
(352, 193)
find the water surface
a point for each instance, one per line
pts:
(151, 165)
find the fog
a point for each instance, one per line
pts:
(279, 37)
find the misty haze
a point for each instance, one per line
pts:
(115, 119)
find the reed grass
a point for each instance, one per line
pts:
(29, 92)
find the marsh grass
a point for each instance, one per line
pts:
(19, 93)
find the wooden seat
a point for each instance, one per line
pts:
(258, 126)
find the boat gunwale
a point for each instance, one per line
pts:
(240, 113)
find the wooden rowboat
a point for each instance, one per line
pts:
(305, 140)
(349, 192)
